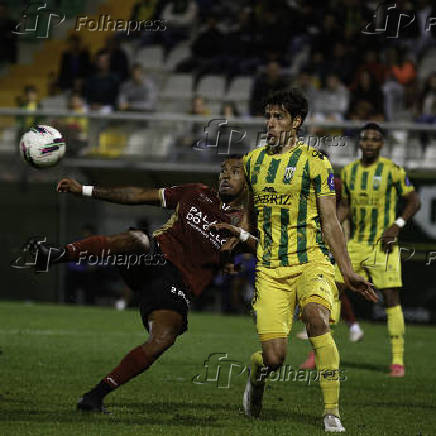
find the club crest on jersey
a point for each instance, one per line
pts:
(289, 173)
(377, 181)
(331, 182)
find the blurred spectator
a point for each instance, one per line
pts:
(393, 94)
(139, 93)
(144, 10)
(367, 91)
(206, 52)
(331, 102)
(341, 63)
(30, 102)
(119, 62)
(75, 128)
(75, 63)
(8, 42)
(229, 110)
(328, 33)
(179, 17)
(428, 98)
(243, 46)
(372, 64)
(264, 84)
(318, 67)
(101, 89)
(273, 28)
(198, 107)
(403, 69)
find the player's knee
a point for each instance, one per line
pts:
(273, 361)
(161, 341)
(316, 318)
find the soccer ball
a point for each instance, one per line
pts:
(42, 147)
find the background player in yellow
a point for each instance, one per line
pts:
(371, 188)
(292, 193)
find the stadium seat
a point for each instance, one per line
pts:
(426, 66)
(212, 87)
(151, 58)
(178, 86)
(112, 143)
(178, 54)
(57, 102)
(136, 143)
(240, 89)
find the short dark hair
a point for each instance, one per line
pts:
(291, 99)
(372, 126)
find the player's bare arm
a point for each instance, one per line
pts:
(343, 211)
(336, 241)
(390, 235)
(122, 195)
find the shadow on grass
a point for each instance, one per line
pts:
(177, 414)
(118, 417)
(368, 366)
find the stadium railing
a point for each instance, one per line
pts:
(166, 140)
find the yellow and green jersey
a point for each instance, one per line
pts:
(285, 188)
(373, 192)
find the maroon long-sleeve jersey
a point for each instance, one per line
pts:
(186, 240)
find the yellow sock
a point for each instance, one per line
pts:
(327, 364)
(396, 333)
(256, 367)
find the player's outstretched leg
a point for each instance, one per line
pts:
(43, 254)
(396, 330)
(317, 318)
(263, 362)
(164, 327)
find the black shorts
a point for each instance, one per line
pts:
(158, 284)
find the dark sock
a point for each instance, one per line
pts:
(133, 364)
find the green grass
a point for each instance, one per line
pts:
(52, 354)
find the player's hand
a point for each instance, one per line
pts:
(229, 245)
(358, 284)
(69, 185)
(226, 229)
(389, 237)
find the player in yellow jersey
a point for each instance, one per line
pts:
(371, 188)
(292, 192)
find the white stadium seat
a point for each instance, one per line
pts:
(151, 58)
(212, 87)
(178, 86)
(240, 89)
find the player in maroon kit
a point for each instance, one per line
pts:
(191, 251)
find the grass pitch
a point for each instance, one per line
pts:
(52, 354)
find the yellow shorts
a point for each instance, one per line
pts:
(383, 269)
(278, 290)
